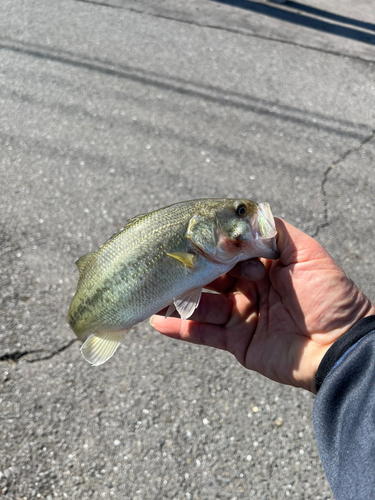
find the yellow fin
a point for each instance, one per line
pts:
(101, 346)
(186, 258)
(83, 261)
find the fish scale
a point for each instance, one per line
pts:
(163, 258)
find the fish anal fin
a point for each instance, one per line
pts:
(100, 346)
(186, 258)
(188, 302)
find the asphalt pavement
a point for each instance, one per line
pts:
(113, 108)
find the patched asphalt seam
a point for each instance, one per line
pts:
(325, 179)
(15, 356)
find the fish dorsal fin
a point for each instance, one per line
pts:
(84, 261)
(128, 224)
(101, 346)
(188, 302)
(135, 219)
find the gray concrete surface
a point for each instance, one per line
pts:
(109, 112)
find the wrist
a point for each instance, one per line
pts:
(338, 350)
(315, 356)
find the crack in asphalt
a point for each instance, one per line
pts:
(15, 356)
(326, 175)
(227, 29)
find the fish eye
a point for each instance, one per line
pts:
(241, 210)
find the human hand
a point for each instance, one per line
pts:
(282, 324)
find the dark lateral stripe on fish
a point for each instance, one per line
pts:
(87, 304)
(108, 285)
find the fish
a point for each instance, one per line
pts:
(160, 259)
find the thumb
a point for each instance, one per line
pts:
(295, 246)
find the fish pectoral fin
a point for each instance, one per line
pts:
(186, 258)
(188, 302)
(100, 346)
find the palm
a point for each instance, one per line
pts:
(282, 324)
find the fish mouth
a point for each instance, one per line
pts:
(263, 230)
(265, 248)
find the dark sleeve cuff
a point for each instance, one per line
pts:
(339, 348)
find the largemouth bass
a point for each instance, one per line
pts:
(161, 259)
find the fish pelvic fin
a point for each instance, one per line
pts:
(100, 346)
(186, 258)
(171, 310)
(187, 302)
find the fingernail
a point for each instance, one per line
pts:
(152, 320)
(252, 270)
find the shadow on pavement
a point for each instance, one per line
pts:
(279, 12)
(330, 15)
(193, 89)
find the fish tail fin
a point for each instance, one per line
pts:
(100, 346)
